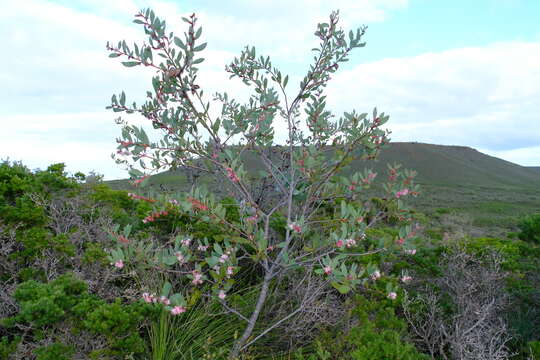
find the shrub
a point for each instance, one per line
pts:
(65, 302)
(378, 334)
(304, 185)
(530, 228)
(54, 351)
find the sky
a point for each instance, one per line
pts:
(454, 72)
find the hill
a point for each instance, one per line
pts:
(440, 165)
(457, 165)
(482, 194)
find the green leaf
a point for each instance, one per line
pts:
(130, 63)
(179, 43)
(166, 289)
(200, 47)
(198, 61)
(285, 81)
(343, 289)
(177, 300)
(114, 55)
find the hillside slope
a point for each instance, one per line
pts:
(456, 165)
(438, 165)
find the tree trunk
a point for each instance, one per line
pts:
(253, 318)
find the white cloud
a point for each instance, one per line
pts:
(478, 97)
(58, 79)
(524, 156)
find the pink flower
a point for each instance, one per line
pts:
(402, 193)
(376, 275)
(232, 175)
(230, 270)
(186, 242)
(164, 300)
(410, 252)
(173, 201)
(369, 178)
(222, 294)
(252, 218)
(406, 278)
(392, 295)
(178, 310)
(119, 264)
(223, 258)
(327, 270)
(400, 241)
(147, 297)
(350, 243)
(295, 227)
(180, 257)
(216, 268)
(197, 277)
(339, 243)
(202, 247)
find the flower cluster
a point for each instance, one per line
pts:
(232, 175)
(197, 205)
(176, 310)
(197, 277)
(139, 197)
(369, 178)
(295, 227)
(401, 193)
(154, 216)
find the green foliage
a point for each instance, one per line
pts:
(534, 349)
(66, 300)
(45, 304)
(118, 323)
(123, 209)
(379, 335)
(7, 347)
(203, 335)
(530, 228)
(54, 351)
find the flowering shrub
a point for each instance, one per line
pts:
(314, 213)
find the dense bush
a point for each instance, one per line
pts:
(374, 332)
(530, 228)
(65, 304)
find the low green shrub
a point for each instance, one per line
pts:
(65, 300)
(530, 228)
(379, 335)
(54, 351)
(8, 347)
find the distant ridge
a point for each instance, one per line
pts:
(536, 168)
(457, 165)
(440, 165)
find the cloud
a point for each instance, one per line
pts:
(58, 78)
(478, 97)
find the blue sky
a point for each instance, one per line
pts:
(447, 72)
